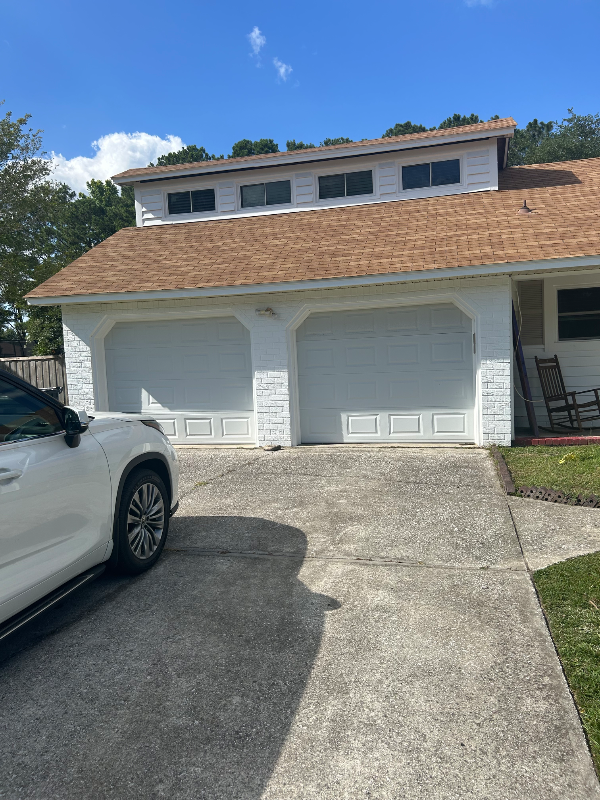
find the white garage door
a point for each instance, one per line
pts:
(194, 376)
(391, 374)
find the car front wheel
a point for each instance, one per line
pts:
(142, 524)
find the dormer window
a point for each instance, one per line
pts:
(188, 202)
(436, 173)
(275, 193)
(348, 184)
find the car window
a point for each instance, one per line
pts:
(23, 416)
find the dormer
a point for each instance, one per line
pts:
(417, 165)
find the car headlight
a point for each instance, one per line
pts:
(153, 423)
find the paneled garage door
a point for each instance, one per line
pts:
(193, 375)
(391, 374)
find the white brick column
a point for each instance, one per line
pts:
(271, 380)
(78, 358)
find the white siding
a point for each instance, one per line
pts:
(305, 188)
(477, 169)
(388, 180)
(226, 195)
(479, 172)
(152, 204)
(579, 360)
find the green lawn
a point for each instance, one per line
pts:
(540, 466)
(570, 595)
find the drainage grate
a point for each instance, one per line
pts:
(554, 496)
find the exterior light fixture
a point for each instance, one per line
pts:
(265, 312)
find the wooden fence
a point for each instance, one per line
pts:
(45, 372)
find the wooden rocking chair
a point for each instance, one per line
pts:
(570, 412)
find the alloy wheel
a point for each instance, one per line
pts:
(145, 520)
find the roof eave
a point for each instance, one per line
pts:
(507, 268)
(299, 157)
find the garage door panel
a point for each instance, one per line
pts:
(233, 360)
(386, 374)
(159, 396)
(449, 318)
(448, 352)
(401, 320)
(406, 392)
(360, 356)
(194, 376)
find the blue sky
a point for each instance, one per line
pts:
(189, 70)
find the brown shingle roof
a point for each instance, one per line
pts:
(198, 166)
(377, 239)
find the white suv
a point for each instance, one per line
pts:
(76, 492)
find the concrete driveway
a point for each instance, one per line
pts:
(326, 623)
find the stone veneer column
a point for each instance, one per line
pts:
(271, 378)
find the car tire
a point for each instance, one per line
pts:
(142, 523)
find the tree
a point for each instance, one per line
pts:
(30, 209)
(89, 219)
(458, 120)
(339, 140)
(527, 139)
(402, 128)
(187, 155)
(575, 137)
(292, 144)
(245, 147)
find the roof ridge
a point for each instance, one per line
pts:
(494, 124)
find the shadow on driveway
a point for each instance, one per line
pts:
(182, 683)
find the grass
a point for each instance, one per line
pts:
(570, 595)
(575, 470)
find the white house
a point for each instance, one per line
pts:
(355, 293)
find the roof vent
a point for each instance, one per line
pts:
(524, 209)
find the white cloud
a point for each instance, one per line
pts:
(257, 41)
(282, 69)
(115, 153)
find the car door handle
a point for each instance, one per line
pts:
(8, 475)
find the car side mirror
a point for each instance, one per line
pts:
(76, 423)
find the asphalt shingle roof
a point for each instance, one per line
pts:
(375, 239)
(263, 159)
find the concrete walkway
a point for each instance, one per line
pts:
(327, 623)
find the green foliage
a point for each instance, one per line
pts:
(458, 120)
(245, 147)
(549, 467)
(30, 212)
(292, 144)
(526, 141)
(187, 155)
(43, 227)
(44, 330)
(91, 218)
(576, 137)
(339, 140)
(402, 128)
(570, 596)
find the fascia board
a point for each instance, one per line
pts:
(484, 270)
(298, 158)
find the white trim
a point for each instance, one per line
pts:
(297, 157)
(483, 270)
(425, 298)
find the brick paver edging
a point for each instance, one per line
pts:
(556, 441)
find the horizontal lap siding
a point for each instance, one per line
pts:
(580, 365)
(478, 169)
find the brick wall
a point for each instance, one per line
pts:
(487, 298)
